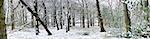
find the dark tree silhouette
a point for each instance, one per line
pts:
(100, 20)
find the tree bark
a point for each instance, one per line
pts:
(100, 20)
(127, 18)
(3, 34)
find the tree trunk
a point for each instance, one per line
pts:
(12, 16)
(73, 19)
(87, 15)
(36, 16)
(68, 26)
(83, 17)
(61, 25)
(55, 21)
(91, 24)
(83, 23)
(55, 15)
(33, 21)
(127, 18)
(61, 16)
(147, 15)
(100, 20)
(68, 17)
(37, 24)
(3, 34)
(45, 15)
(37, 28)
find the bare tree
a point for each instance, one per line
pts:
(46, 17)
(36, 16)
(72, 16)
(36, 10)
(100, 20)
(55, 22)
(68, 16)
(87, 16)
(12, 15)
(83, 11)
(61, 14)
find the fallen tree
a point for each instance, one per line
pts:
(36, 16)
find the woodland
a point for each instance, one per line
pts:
(74, 19)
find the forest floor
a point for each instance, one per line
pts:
(76, 32)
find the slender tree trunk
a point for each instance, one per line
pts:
(55, 21)
(90, 19)
(23, 17)
(87, 15)
(127, 18)
(83, 20)
(55, 15)
(45, 15)
(37, 28)
(71, 15)
(61, 16)
(100, 20)
(33, 21)
(73, 19)
(3, 34)
(68, 26)
(13, 23)
(83, 17)
(37, 24)
(147, 15)
(68, 17)
(93, 22)
(12, 16)
(61, 25)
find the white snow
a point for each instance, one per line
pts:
(74, 33)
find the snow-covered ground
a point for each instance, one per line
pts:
(76, 32)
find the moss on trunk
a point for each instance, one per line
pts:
(3, 34)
